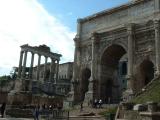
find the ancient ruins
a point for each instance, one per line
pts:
(116, 51)
(38, 79)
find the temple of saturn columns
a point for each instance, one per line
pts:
(117, 52)
(33, 76)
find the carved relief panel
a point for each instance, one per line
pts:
(86, 55)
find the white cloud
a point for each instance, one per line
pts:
(26, 21)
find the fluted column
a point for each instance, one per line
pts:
(157, 46)
(57, 70)
(130, 55)
(38, 66)
(45, 68)
(20, 64)
(24, 65)
(31, 65)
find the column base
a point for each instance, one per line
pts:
(88, 98)
(69, 101)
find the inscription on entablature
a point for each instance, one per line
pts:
(119, 17)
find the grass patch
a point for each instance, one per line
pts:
(152, 93)
(111, 110)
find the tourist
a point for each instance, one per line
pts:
(95, 103)
(36, 113)
(3, 109)
(100, 103)
(81, 109)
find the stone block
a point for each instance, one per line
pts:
(140, 107)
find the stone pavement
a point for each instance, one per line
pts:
(77, 114)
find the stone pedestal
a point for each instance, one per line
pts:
(89, 94)
(152, 106)
(128, 94)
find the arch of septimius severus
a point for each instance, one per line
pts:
(117, 50)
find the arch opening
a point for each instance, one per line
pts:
(146, 71)
(113, 72)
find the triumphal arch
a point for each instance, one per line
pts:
(117, 50)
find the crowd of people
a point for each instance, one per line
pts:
(97, 103)
(44, 109)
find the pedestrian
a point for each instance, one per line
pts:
(81, 109)
(100, 103)
(36, 113)
(3, 107)
(95, 103)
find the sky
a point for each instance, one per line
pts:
(37, 22)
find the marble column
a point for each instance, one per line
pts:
(31, 65)
(45, 68)
(57, 71)
(24, 65)
(130, 55)
(157, 46)
(52, 68)
(20, 64)
(89, 94)
(75, 69)
(38, 66)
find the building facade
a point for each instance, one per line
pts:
(117, 51)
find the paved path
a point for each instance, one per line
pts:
(76, 114)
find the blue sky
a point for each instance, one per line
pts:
(67, 11)
(36, 22)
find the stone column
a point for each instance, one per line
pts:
(31, 65)
(75, 69)
(130, 55)
(20, 64)
(45, 68)
(52, 68)
(157, 46)
(24, 65)
(57, 70)
(157, 6)
(89, 94)
(38, 66)
(79, 27)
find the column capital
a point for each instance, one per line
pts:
(32, 53)
(79, 20)
(156, 20)
(94, 37)
(77, 42)
(39, 55)
(21, 51)
(46, 57)
(53, 59)
(156, 23)
(130, 28)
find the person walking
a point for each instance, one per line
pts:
(81, 109)
(3, 107)
(36, 113)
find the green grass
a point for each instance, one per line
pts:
(111, 110)
(151, 94)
